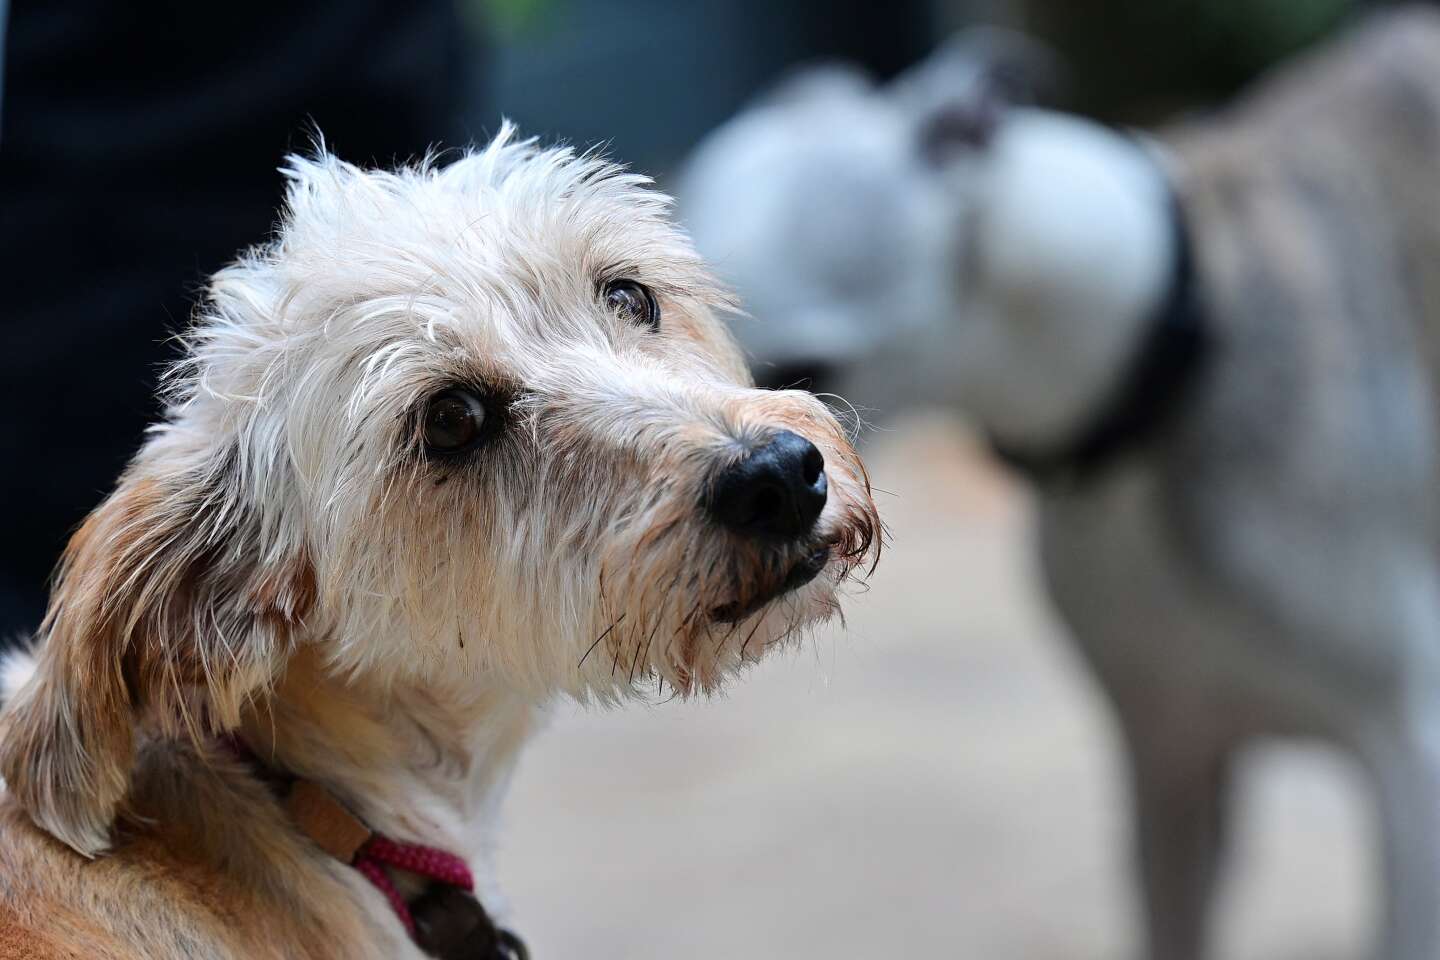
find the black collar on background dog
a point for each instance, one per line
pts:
(1150, 392)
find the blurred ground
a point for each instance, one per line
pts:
(936, 781)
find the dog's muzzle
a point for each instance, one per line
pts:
(774, 495)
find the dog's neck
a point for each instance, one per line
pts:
(1073, 246)
(415, 762)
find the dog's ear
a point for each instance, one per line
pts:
(167, 609)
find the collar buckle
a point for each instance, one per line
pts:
(450, 924)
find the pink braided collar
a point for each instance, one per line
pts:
(440, 865)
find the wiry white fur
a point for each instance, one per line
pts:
(287, 502)
(384, 285)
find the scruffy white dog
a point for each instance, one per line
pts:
(1217, 356)
(461, 437)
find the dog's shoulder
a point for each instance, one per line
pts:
(39, 919)
(19, 942)
(160, 892)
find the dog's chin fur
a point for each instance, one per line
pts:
(287, 556)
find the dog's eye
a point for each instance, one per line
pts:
(633, 302)
(454, 420)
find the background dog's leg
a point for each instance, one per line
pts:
(1404, 760)
(1180, 793)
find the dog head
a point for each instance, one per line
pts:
(461, 422)
(935, 239)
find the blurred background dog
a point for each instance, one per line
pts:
(1213, 353)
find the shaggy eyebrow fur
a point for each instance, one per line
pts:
(277, 563)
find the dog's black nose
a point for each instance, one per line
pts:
(776, 491)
